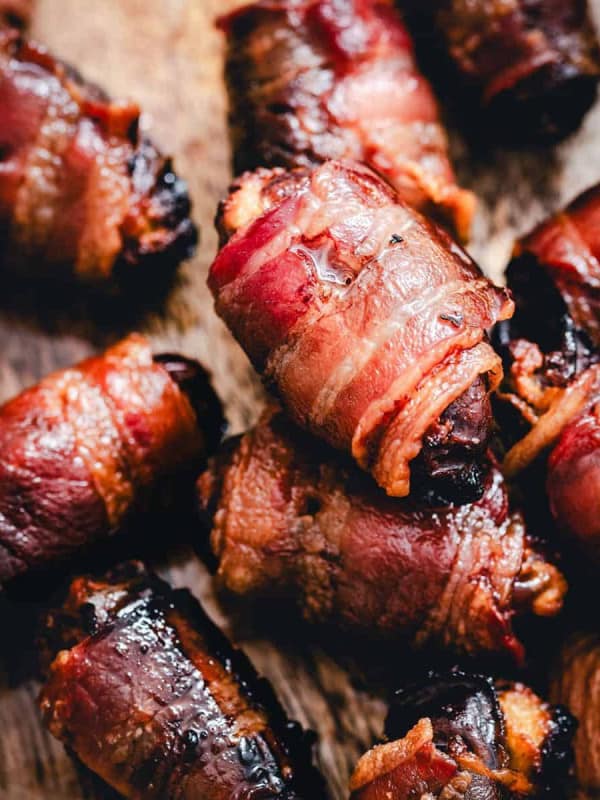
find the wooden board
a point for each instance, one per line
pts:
(167, 55)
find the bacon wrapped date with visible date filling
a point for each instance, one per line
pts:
(463, 737)
(311, 80)
(552, 353)
(182, 714)
(292, 520)
(532, 64)
(576, 683)
(368, 321)
(82, 194)
(87, 445)
(16, 13)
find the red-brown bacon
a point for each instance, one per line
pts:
(292, 520)
(16, 13)
(85, 446)
(81, 193)
(311, 80)
(533, 64)
(467, 739)
(367, 320)
(153, 698)
(576, 683)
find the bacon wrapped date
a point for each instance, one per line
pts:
(576, 683)
(463, 736)
(183, 714)
(16, 13)
(292, 520)
(367, 320)
(311, 80)
(533, 65)
(82, 194)
(86, 446)
(552, 348)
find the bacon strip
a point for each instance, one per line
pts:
(532, 64)
(290, 520)
(367, 320)
(81, 193)
(311, 80)
(153, 698)
(85, 446)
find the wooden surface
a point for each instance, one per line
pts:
(167, 55)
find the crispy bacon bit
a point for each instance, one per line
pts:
(312, 80)
(533, 65)
(183, 714)
(347, 328)
(85, 447)
(82, 194)
(292, 520)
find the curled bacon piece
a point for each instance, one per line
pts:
(467, 738)
(367, 320)
(82, 194)
(86, 446)
(16, 13)
(292, 520)
(533, 64)
(311, 80)
(576, 683)
(183, 714)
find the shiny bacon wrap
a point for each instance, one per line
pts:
(292, 520)
(82, 194)
(533, 65)
(463, 737)
(184, 715)
(368, 321)
(83, 448)
(311, 80)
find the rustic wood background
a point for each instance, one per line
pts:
(167, 55)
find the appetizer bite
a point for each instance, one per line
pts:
(552, 359)
(531, 65)
(86, 446)
(311, 80)
(151, 696)
(82, 194)
(367, 320)
(292, 520)
(466, 736)
(576, 683)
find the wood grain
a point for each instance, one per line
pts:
(167, 55)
